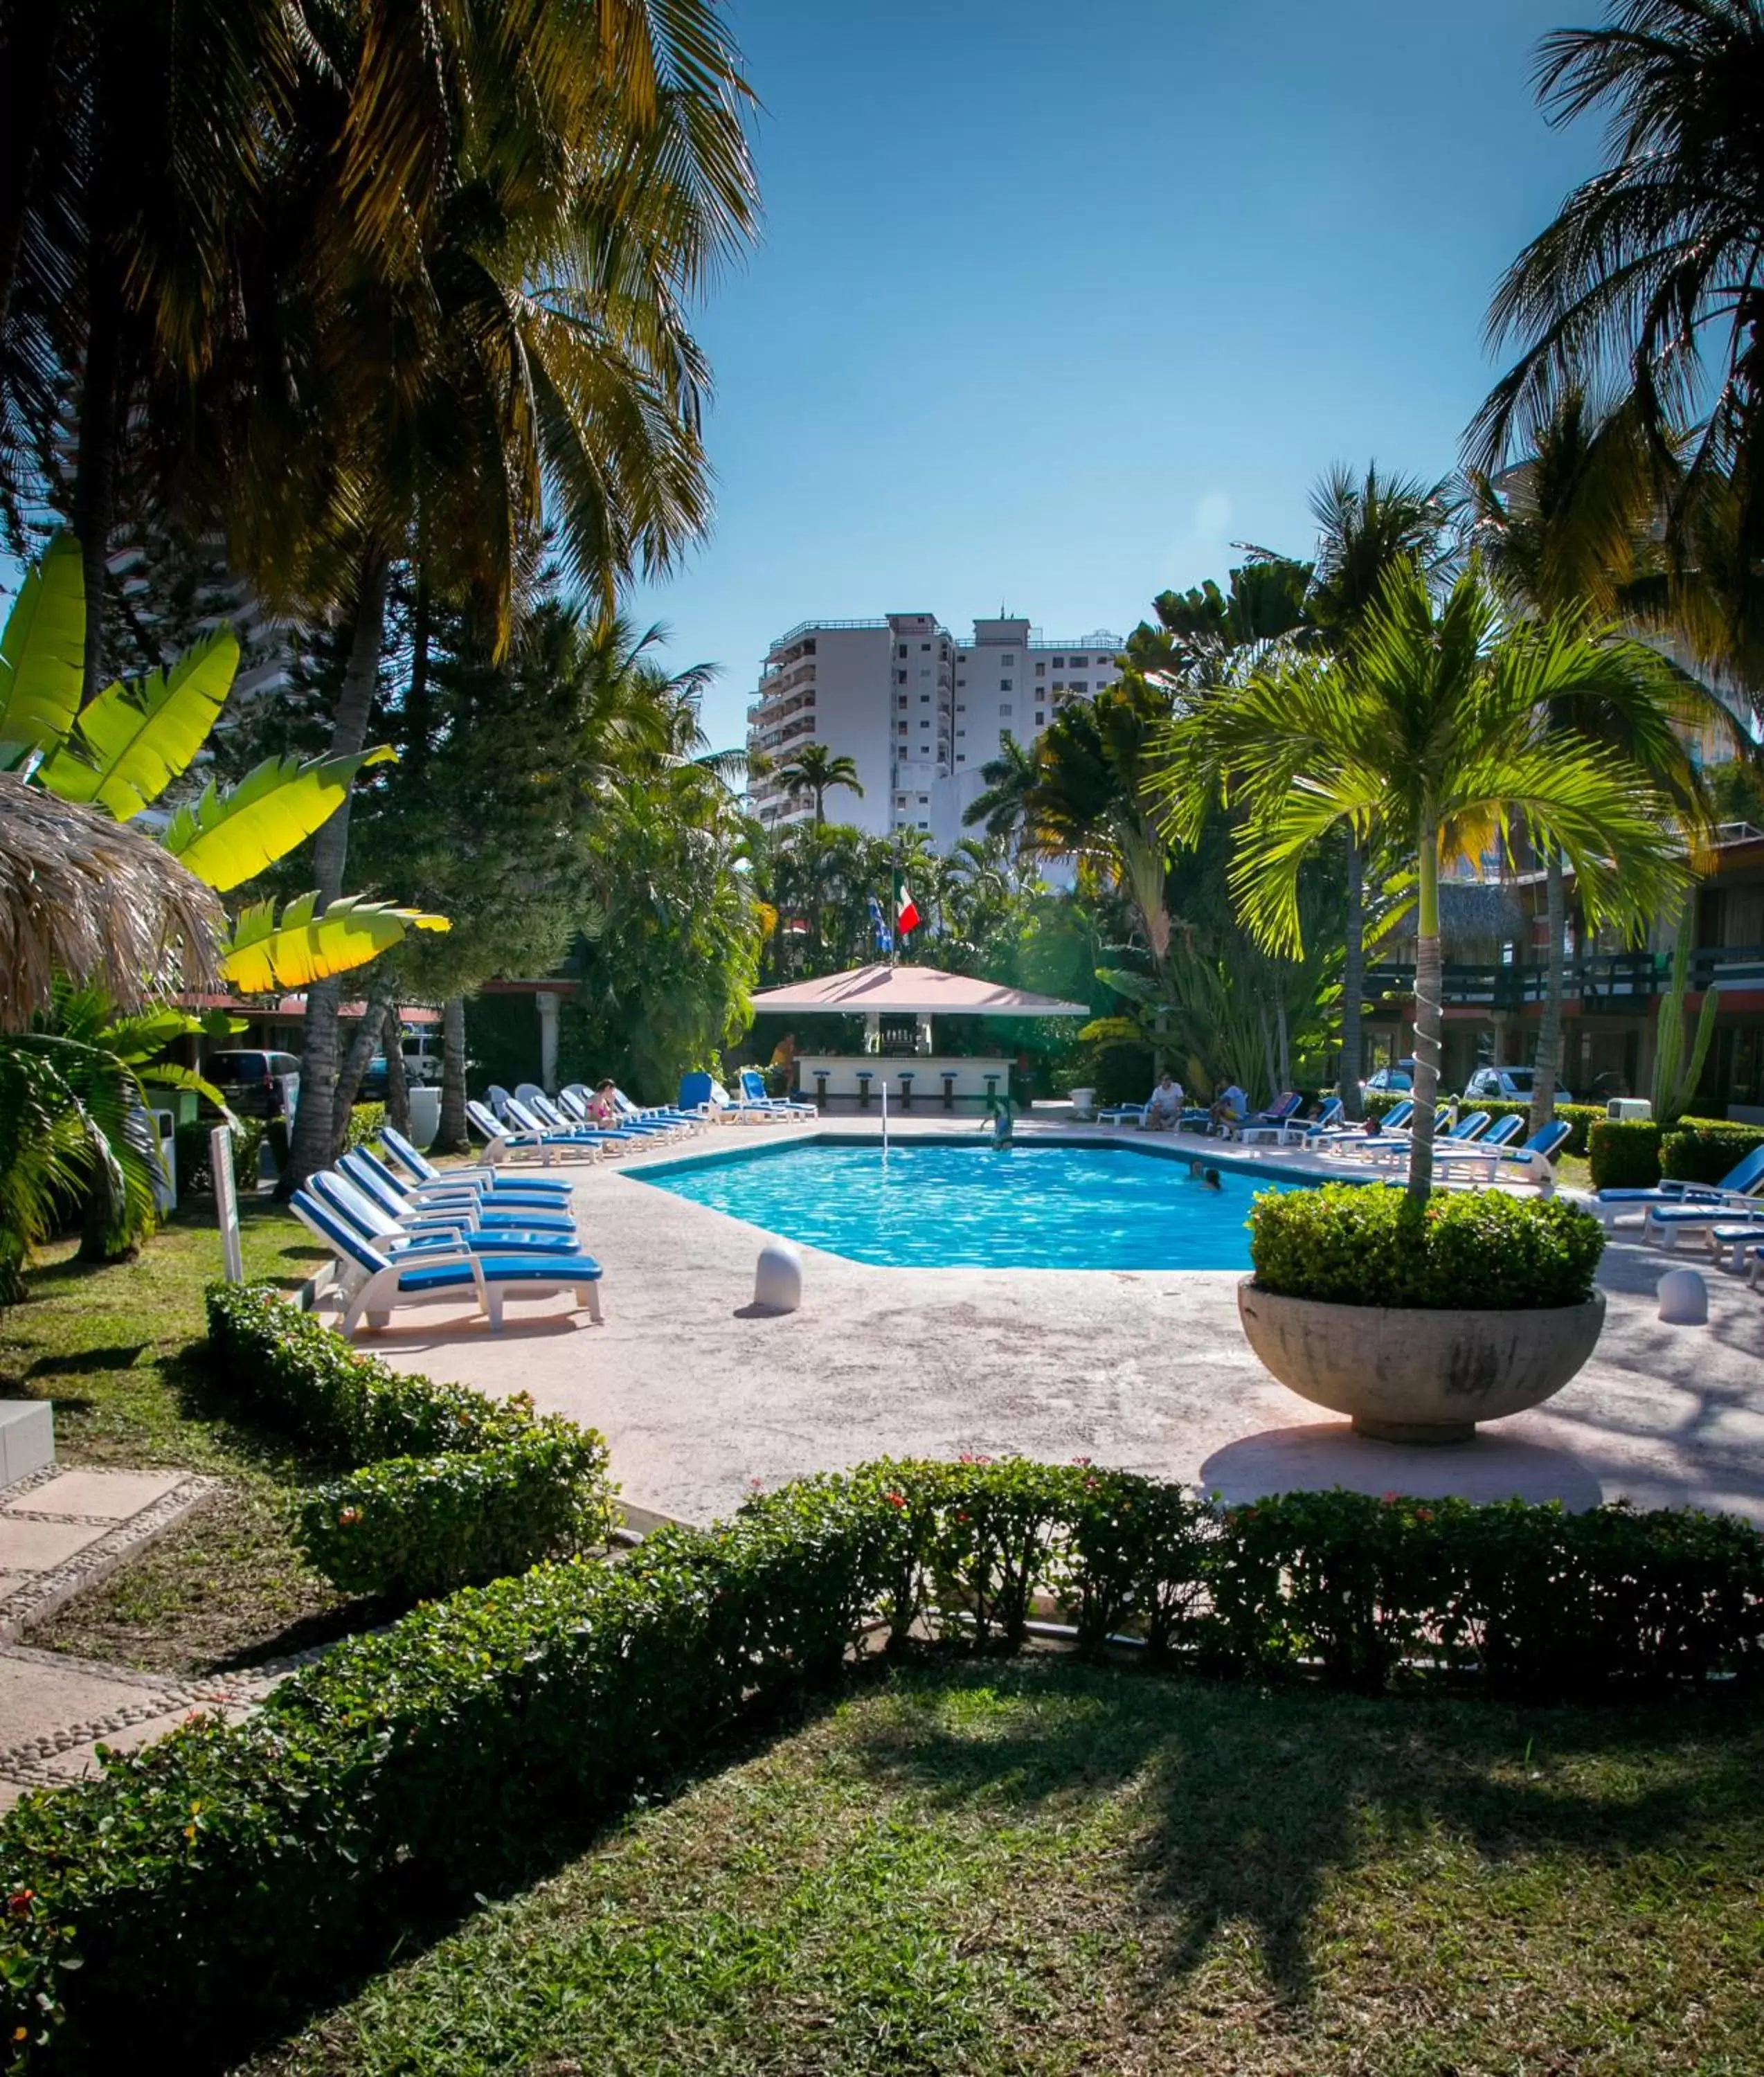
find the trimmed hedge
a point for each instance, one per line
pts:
(1630, 1153)
(192, 1151)
(450, 1488)
(230, 1874)
(1625, 1154)
(1697, 1153)
(1475, 1251)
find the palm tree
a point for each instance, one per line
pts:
(1366, 529)
(1651, 276)
(816, 770)
(1427, 726)
(1568, 533)
(1010, 779)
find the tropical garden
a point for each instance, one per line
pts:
(332, 428)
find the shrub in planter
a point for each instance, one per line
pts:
(1625, 1154)
(1698, 1153)
(1472, 1250)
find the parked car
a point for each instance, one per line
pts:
(1508, 1084)
(255, 1084)
(1393, 1081)
(422, 1056)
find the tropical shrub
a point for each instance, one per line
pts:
(195, 1178)
(366, 1122)
(232, 1872)
(1697, 1153)
(449, 1488)
(1474, 1250)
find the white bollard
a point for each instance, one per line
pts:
(777, 1282)
(1684, 1299)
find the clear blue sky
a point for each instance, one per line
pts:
(1057, 298)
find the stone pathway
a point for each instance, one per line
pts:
(61, 1531)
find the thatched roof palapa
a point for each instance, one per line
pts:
(90, 898)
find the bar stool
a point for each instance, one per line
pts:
(866, 1076)
(948, 1088)
(906, 1080)
(992, 1093)
(821, 1075)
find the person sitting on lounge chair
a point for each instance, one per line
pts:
(1230, 1107)
(1163, 1106)
(603, 1105)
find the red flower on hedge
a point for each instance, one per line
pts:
(19, 1904)
(894, 1499)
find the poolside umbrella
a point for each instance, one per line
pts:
(924, 991)
(90, 898)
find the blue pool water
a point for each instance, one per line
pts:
(930, 1205)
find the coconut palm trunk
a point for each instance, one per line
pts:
(315, 1123)
(1428, 1013)
(1352, 984)
(1547, 1066)
(450, 1137)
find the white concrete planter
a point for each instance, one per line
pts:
(425, 1116)
(1407, 1376)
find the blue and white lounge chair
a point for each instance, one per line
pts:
(1534, 1162)
(370, 1282)
(1740, 1238)
(371, 1224)
(1739, 1182)
(504, 1139)
(753, 1095)
(706, 1098)
(1663, 1224)
(469, 1207)
(1291, 1126)
(575, 1103)
(1390, 1139)
(552, 1127)
(1468, 1129)
(545, 1114)
(1395, 1120)
(637, 1114)
(417, 1173)
(417, 1178)
(1123, 1114)
(1287, 1105)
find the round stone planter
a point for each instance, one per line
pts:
(1406, 1375)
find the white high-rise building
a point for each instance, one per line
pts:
(916, 713)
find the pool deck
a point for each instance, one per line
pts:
(701, 1398)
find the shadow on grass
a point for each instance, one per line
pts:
(1254, 1799)
(202, 1395)
(123, 1356)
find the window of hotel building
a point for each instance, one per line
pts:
(1004, 685)
(961, 655)
(901, 651)
(901, 701)
(961, 757)
(1009, 659)
(961, 731)
(903, 728)
(900, 799)
(1041, 670)
(1080, 686)
(961, 681)
(1004, 707)
(925, 647)
(900, 677)
(961, 707)
(1041, 720)
(925, 699)
(924, 825)
(925, 800)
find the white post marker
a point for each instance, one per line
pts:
(220, 1163)
(884, 1115)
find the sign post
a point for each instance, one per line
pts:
(220, 1163)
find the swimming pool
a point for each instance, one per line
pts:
(929, 1205)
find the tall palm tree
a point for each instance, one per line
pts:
(815, 770)
(1366, 527)
(1568, 535)
(1426, 726)
(1650, 278)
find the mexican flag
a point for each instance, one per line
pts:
(907, 917)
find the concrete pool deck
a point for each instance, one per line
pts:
(699, 1397)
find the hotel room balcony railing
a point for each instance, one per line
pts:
(1596, 980)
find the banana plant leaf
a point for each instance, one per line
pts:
(227, 838)
(133, 740)
(42, 653)
(265, 953)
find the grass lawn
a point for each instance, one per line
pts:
(1038, 1867)
(108, 1346)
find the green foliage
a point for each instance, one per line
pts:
(218, 1879)
(450, 1488)
(192, 1145)
(1624, 1153)
(1704, 1153)
(415, 1527)
(1472, 1250)
(366, 1121)
(1581, 1117)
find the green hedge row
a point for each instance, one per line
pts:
(1481, 1250)
(230, 1874)
(450, 1489)
(1631, 1154)
(192, 1150)
(1698, 1152)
